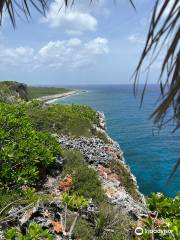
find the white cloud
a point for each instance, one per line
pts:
(101, 8)
(136, 38)
(16, 56)
(71, 19)
(72, 53)
(97, 46)
(73, 32)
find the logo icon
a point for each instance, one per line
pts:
(138, 231)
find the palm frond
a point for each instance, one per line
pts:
(133, 5)
(164, 30)
(16, 8)
(22, 7)
(160, 33)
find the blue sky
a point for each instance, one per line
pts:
(97, 44)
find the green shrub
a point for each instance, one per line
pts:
(67, 119)
(25, 153)
(167, 213)
(74, 201)
(85, 179)
(165, 206)
(83, 230)
(174, 226)
(110, 223)
(34, 232)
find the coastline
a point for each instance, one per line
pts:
(51, 98)
(120, 196)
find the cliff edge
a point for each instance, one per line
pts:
(107, 159)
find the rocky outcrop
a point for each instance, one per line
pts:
(20, 89)
(11, 91)
(119, 196)
(93, 149)
(101, 122)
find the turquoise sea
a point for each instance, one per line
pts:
(150, 155)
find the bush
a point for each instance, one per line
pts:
(166, 218)
(111, 223)
(74, 201)
(165, 206)
(34, 232)
(9, 196)
(85, 179)
(66, 119)
(83, 230)
(108, 224)
(25, 153)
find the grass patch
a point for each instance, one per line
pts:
(108, 224)
(72, 119)
(75, 120)
(83, 230)
(9, 196)
(85, 179)
(111, 218)
(125, 178)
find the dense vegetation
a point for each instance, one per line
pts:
(36, 92)
(25, 152)
(165, 220)
(75, 120)
(85, 179)
(34, 232)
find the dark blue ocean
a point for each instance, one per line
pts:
(151, 156)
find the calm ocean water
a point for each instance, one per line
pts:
(150, 156)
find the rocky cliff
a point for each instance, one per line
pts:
(11, 91)
(121, 187)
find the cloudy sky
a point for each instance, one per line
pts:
(84, 44)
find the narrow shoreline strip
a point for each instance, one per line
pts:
(50, 98)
